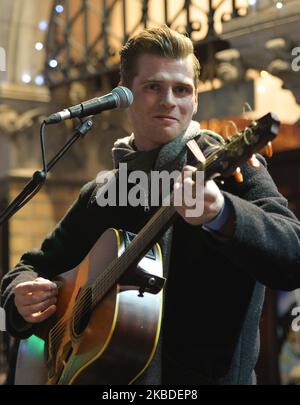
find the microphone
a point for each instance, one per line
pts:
(120, 97)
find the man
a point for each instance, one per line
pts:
(216, 263)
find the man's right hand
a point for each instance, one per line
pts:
(35, 300)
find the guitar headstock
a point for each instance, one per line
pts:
(241, 146)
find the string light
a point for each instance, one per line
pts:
(26, 78)
(39, 46)
(59, 8)
(279, 4)
(53, 63)
(39, 80)
(43, 25)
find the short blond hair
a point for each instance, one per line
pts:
(162, 41)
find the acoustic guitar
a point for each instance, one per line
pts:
(109, 309)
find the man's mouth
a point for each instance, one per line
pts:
(166, 117)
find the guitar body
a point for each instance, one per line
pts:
(115, 342)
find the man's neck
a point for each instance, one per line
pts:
(144, 147)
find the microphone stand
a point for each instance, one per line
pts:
(39, 177)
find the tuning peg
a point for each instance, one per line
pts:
(269, 149)
(254, 162)
(230, 129)
(238, 175)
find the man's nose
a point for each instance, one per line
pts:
(167, 98)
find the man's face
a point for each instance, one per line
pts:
(165, 99)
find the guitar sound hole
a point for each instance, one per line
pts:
(82, 312)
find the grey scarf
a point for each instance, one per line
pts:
(171, 156)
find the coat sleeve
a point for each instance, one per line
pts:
(266, 239)
(62, 250)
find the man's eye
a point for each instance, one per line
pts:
(152, 86)
(182, 90)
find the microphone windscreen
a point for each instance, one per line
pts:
(124, 95)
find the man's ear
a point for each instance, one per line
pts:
(121, 83)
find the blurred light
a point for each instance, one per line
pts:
(261, 89)
(279, 4)
(226, 17)
(264, 73)
(53, 63)
(43, 25)
(242, 12)
(39, 80)
(59, 8)
(26, 78)
(39, 46)
(251, 2)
